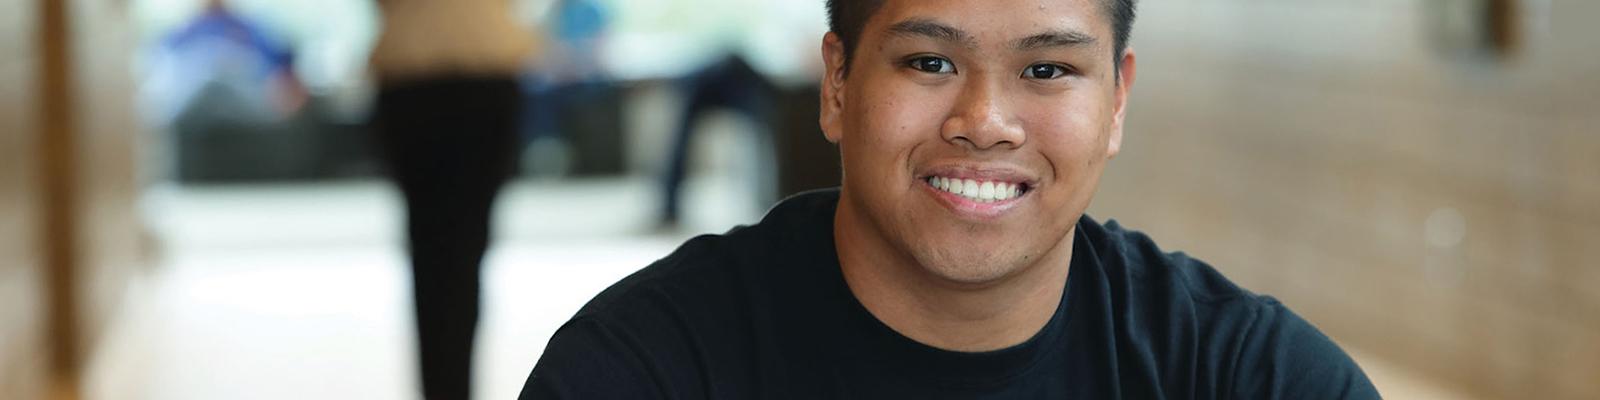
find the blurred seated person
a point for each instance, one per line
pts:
(568, 74)
(227, 62)
(729, 84)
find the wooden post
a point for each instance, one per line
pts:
(58, 177)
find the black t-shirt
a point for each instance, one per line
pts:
(763, 312)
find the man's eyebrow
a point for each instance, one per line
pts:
(1059, 38)
(933, 30)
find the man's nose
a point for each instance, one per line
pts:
(982, 118)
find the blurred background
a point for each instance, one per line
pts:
(191, 206)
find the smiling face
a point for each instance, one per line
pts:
(973, 132)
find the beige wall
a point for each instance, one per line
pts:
(1430, 209)
(22, 362)
(109, 226)
(53, 307)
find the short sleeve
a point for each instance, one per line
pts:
(585, 360)
(1285, 357)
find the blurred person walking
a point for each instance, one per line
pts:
(446, 121)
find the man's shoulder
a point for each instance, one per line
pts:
(615, 344)
(1132, 257)
(695, 260)
(702, 305)
(714, 266)
(1256, 346)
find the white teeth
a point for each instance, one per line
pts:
(969, 188)
(982, 192)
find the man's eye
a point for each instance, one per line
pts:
(1044, 71)
(932, 65)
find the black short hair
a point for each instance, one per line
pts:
(847, 18)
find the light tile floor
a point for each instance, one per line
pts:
(300, 292)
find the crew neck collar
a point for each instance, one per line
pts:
(868, 340)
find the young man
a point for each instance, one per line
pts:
(955, 261)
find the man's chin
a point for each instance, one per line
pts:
(975, 269)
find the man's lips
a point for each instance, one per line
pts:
(980, 191)
(979, 184)
(976, 193)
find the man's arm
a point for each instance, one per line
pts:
(1284, 357)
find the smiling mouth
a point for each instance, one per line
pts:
(980, 191)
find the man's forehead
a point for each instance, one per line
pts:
(1047, 37)
(1019, 23)
(970, 7)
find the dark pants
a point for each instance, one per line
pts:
(449, 144)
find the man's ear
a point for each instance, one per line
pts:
(1129, 69)
(833, 75)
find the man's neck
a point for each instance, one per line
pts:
(941, 313)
